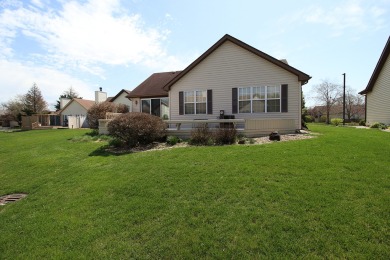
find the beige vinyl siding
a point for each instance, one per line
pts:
(122, 99)
(378, 100)
(136, 105)
(231, 66)
(74, 109)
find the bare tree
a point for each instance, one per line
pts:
(328, 94)
(70, 93)
(14, 108)
(33, 101)
(354, 104)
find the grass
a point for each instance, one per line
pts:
(326, 197)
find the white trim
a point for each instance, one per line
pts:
(195, 102)
(265, 99)
(150, 102)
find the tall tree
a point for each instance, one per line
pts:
(328, 93)
(33, 101)
(70, 93)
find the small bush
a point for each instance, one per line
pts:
(98, 111)
(225, 135)
(172, 140)
(378, 125)
(116, 143)
(309, 119)
(201, 136)
(362, 122)
(322, 119)
(137, 128)
(336, 121)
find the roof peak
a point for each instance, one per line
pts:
(302, 77)
(381, 62)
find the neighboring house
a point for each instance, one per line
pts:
(150, 97)
(354, 112)
(121, 98)
(233, 78)
(377, 92)
(74, 114)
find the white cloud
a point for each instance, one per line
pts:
(347, 15)
(52, 83)
(88, 34)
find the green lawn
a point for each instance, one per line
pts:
(326, 197)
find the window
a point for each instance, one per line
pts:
(156, 106)
(195, 102)
(263, 99)
(145, 106)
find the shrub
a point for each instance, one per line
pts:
(308, 119)
(116, 143)
(322, 119)
(378, 125)
(336, 121)
(98, 111)
(201, 136)
(172, 140)
(225, 135)
(6, 119)
(362, 122)
(137, 128)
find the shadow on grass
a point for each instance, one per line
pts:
(106, 151)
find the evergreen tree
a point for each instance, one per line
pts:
(33, 101)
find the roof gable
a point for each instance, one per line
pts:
(303, 77)
(112, 99)
(378, 68)
(153, 86)
(87, 104)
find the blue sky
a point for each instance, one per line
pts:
(118, 44)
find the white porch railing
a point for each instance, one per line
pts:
(189, 124)
(248, 127)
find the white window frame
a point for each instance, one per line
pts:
(194, 92)
(150, 102)
(266, 98)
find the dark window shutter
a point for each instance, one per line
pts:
(234, 100)
(284, 98)
(181, 103)
(209, 101)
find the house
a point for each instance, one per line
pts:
(235, 79)
(377, 92)
(352, 112)
(231, 81)
(74, 114)
(121, 98)
(150, 96)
